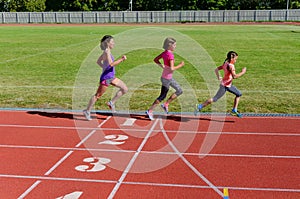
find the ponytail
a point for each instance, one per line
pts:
(230, 55)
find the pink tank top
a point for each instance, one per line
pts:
(227, 79)
(167, 57)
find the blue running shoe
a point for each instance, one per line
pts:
(235, 113)
(198, 109)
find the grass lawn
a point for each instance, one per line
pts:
(54, 66)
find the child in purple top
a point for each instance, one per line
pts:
(167, 76)
(108, 71)
(107, 63)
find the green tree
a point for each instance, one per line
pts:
(142, 5)
(35, 5)
(245, 4)
(295, 5)
(149, 5)
(25, 5)
(73, 5)
(182, 5)
(3, 6)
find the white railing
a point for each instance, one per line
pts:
(151, 16)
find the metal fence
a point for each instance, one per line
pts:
(151, 16)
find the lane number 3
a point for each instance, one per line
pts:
(94, 164)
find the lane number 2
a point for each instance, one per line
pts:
(114, 139)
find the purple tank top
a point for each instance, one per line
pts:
(108, 71)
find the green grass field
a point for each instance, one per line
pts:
(40, 65)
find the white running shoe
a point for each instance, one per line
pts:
(87, 115)
(165, 108)
(111, 106)
(150, 115)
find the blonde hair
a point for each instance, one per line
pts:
(168, 42)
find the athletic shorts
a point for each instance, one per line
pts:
(107, 82)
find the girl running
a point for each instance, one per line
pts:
(166, 78)
(107, 63)
(226, 84)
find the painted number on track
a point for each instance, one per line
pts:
(114, 139)
(94, 164)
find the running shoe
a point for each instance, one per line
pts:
(198, 109)
(111, 106)
(165, 108)
(150, 115)
(87, 115)
(235, 113)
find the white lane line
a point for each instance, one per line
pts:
(143, 130)
(29, 189)
(129, 122)
(208, 187)
(70, 152)
(92, 132)
(58, 163)
(131, 162)
(61, 161)
(154, 152)
(45, 127)
(56, 178)
(148, 183)
(263, 189)
(211, 185)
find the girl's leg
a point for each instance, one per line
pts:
(171, 98)
(236, 103)
(219, 94)
(101, 90)
(178, 92)
(122, 89)
(237, 94)
(155, 103)
(163, 93)
(207, 102)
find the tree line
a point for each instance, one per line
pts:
(143, 5)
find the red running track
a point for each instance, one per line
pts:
(60, 155)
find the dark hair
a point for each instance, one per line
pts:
(104, 41)
(231, 55)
